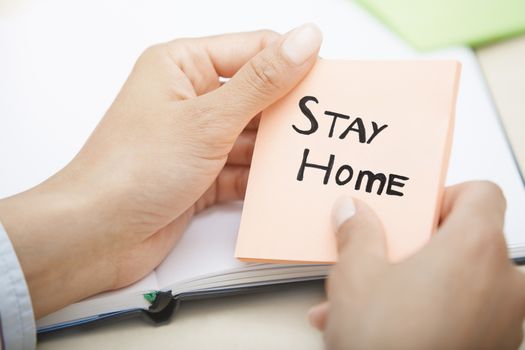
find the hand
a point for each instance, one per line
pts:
(459, 292)
(174, 142)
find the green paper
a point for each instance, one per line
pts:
(430, 24)
(150, 297)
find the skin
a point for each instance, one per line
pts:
(459, 292)
(173, 142)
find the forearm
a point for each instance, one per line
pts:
(47, 228)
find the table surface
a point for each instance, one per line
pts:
(275, 320)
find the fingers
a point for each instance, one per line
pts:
(263, 79)
(229, 186)
(318, 315)
(471, 228)
(479, 196)
(242, 151)
(204, 60)
(475, 209)
(360, 235)
(227, 52)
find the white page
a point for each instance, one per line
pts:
(480, 149)
(62, 63)
(206, 247)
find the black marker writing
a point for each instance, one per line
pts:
(365, 178)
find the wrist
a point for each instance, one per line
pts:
(54, 233)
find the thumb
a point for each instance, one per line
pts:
(360, 235)
(268, 76)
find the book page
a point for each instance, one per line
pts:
(206, 247)
(480, 150)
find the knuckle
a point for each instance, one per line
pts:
(267, 33)
(179, 43)
(199, 112)
(179, 49)
(268, 36)
(488, 190)
(152, 55)
(264, 75)
(201, 115)
(153, 51)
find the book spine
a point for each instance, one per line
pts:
(162, 307)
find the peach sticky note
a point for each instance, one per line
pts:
(379, 131)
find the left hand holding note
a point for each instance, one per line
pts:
(174, 142)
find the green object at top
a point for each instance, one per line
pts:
(430, 24)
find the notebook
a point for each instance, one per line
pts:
(379, 131)
(413, 95)
(185, 274)
(212, 235)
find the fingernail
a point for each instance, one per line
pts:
(343, 209)
(301, 43)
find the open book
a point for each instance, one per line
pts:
(203, 261)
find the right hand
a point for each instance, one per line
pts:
(459, 292)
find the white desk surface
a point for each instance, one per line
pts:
(70, 58)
